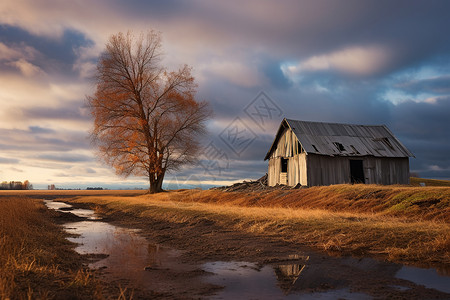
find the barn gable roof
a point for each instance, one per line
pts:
(336, 139)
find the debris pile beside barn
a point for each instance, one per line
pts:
(254, 186)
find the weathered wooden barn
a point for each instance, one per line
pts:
(315, 153)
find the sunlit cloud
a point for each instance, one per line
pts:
(234, 72)
(15, 52)
(435, 168)
(27, 68)
(358, 61)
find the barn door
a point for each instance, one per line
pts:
(284, 171)
(357, 171)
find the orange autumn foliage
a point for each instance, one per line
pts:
(146, 119)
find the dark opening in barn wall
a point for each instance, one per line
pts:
(284, 169)
(284, 165)
(357, 171)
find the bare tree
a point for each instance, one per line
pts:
(27, 185)
(146, 119)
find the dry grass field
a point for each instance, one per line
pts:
(415, 181)
(36, 261)
(403, 202)
(401, 224)
(397, 223)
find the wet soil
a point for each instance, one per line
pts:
(205, 248)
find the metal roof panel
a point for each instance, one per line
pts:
(321, 138)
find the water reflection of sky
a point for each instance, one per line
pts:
(244, 280)
(101, 237)
(64, 207)
(426, 277)
(56, 204)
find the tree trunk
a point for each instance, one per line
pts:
(156, 184)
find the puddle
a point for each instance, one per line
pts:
(287, 275)
(64, 207)
(244, 280)
(426, 277)
(56, 205)
(399, 287)
(335, 294)
(100, 237)
(130, 256)
(131, 261)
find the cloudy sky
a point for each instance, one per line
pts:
(360, 62)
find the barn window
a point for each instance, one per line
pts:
(284, 165)
(339, 146)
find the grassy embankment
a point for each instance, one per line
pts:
(398, 223)
(36, 261)
(428, 182)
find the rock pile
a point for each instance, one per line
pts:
(254, 185)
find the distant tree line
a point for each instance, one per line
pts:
(16, 185)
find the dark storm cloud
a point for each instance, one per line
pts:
(71, 111)
(423, 120)
(227, 100)
(272, 70)
(65, 157)
(297, 30)
(157, 9)
(424, 128)
(40, 130)
(437, 85)
(412, 28)
(431, 160)
(235, 170)
(54, 54)
(33, 140)
(348, 103)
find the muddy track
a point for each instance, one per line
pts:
(203, 240)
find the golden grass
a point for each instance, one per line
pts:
(360, 231)
(51, 194)
(400, 223)
(412, 203)
(428, 182)
(34, 255)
